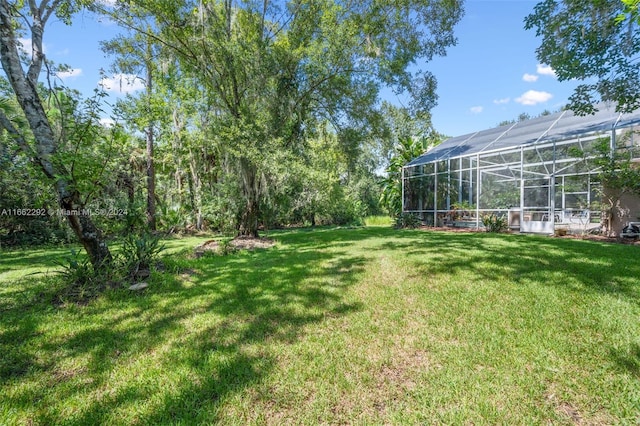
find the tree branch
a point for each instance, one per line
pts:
(7, 125)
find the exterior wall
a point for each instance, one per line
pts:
(628, 210)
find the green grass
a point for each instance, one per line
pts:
(347, 326)
(378, 221)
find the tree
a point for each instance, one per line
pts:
(16, 17)
(595, 41)
(272, 69)
(401, 123)
(406, 150)
(408, 134)
(138, 56)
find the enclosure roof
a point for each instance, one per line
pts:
(553, 127)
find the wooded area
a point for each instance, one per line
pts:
(254, 115)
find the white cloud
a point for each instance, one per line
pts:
(533, 97)
(26, 46)
(107, 122)
(476, 109)
(530, 78)
(501, 101)
(545, 70)
(73, 72)
(122, 83)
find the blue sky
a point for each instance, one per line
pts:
(490, 76)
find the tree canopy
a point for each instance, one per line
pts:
(272, 71)
(596, 42)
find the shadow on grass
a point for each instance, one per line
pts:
(188, 345)
(585, 265)
(628, 360)
(25, 259)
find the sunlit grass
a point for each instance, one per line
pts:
(364, 326)
(378, 221)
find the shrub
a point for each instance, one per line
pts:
(82, 281)
(407, 220)
(494, 223)
(139, 253)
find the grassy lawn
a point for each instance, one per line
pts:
(341, 326)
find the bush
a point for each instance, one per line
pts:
(407, 220)
(139, 253)
(33, 230)
(82, 281)
(134, 263)
(494, 223)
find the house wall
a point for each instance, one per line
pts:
(628, 210)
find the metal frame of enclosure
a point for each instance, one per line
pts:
(539, 174)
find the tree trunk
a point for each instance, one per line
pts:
(248, 224)
(248, 219)
(151, 182)
(151, 173)
(89, 235)
(196, 191)
(24, 87)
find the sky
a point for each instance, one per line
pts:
(491, 75)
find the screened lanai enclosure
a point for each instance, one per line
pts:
(540, 175)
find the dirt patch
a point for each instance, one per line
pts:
(238, 243)
(250, 243)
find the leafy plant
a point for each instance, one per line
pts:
(406, 150)
(407, 220)
(495, 223)
(82, 281)
(140, 252)
(225, 247)
(460, 210)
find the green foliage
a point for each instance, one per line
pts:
(83, 282)
(617, 170)
(523, 116)
(495, 223)
(226, 247)
(407, 221)
(618, 174)
(594, 40)
(140, 253)
(282, 69)
(406, 150)
(462, 209)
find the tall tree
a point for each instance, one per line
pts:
(594, 41)
(138, 56)
(270, 68)
(32, 16)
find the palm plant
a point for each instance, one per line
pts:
(406, 150)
